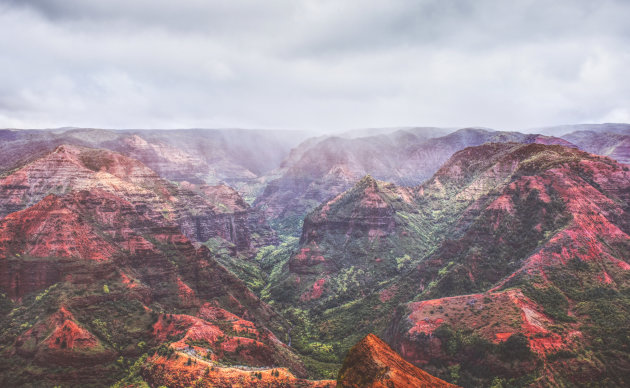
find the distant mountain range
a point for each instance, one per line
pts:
(320, 169)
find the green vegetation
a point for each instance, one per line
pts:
(516, 347)
(133, 377)
(475, 361)
(357, 267)
(553, 301)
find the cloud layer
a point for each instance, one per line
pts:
(313, 64)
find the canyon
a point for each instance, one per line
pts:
(392, 257)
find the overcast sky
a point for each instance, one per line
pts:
(319, 65)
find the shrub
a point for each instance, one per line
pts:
(516, 347)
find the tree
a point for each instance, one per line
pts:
(516, 347)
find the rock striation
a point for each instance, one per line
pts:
(201, 214)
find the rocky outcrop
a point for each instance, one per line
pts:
(219, 211)
(372, 363)
(177, 372)
(364, 210)
(421, 330)
(60, 340)
(367, 212)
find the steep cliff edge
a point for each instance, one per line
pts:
(201, 214)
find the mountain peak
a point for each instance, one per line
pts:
(64, 153)
(368, 179)
(94, 159)
(62, 149)
(372, 363)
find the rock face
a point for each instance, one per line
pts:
(335, 261)
(98, 226)
(61, 341)
(368, 211)
(372, 363)
(231, 218)
(55, 227)
(366, 208)
(222, 213)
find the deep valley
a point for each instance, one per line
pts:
(400, 257)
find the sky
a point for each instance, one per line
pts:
(319, 65)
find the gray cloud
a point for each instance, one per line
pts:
(318, 64)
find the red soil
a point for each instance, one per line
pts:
(175, 372)
(52, 228)
(372, 363)
(491, 315)
(315, 292)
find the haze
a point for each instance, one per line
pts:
(317, 65)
